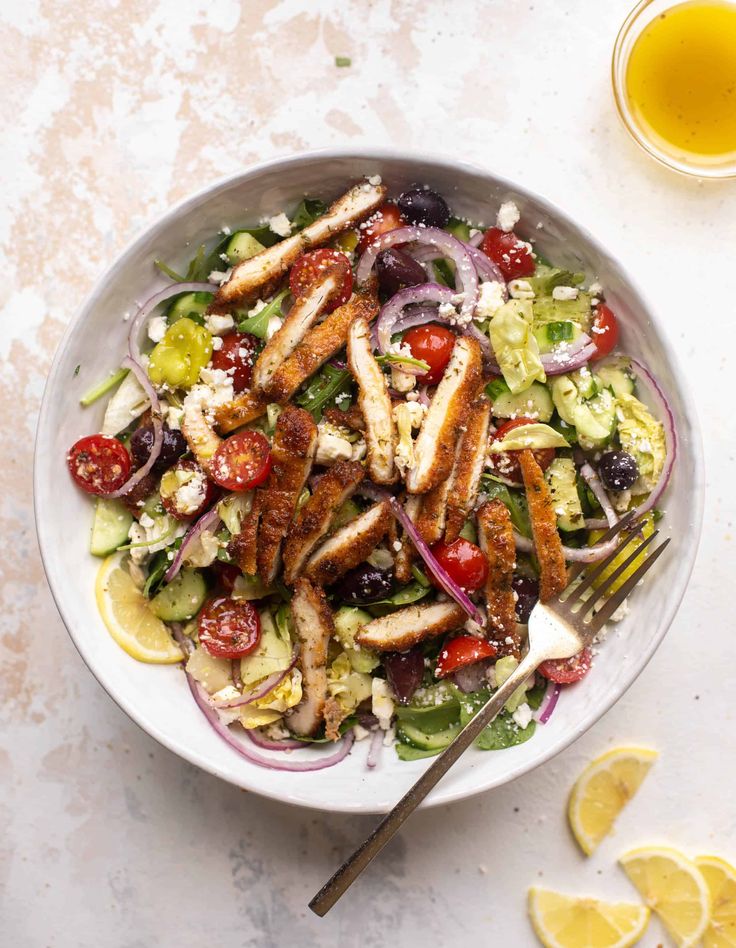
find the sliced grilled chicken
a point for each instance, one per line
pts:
(240, 411)
(350, 545)
(374, 403)
(313, 625)
(496, 539)
(433, 512)
(404, 557)
(243, 547)
(352, 418)
(435, 443)
(333, 715)
(547, 543)
(313, 521)
(200, 436)
(263, 272)
(298, 321)
(292, 453)
(468, 468)
(406, 627)
(320, 344)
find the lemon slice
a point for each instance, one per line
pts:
(720, 877)
(673, 887)
(603, 790)
(129, 620)
(564, 921)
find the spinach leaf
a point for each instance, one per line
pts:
(515, 501)
(307, 212)
(503, 732)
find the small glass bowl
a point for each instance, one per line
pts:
(640, 17)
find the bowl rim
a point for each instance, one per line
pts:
(367, 155)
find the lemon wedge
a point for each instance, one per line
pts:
(129, 620)
(673, 887)
(564, 921)
(603, 790)
(720, 878)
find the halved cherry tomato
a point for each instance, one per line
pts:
(512, 256)
(432, 344)
(236, 356)
(310, 267)
(387, 217)
(506, 464)
(463, 561)
(564, 671)
(242, 461)
(229, 628)
(99, 464)
(461, 651)
(605, 331)
(186, 491)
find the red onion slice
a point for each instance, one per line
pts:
(294, 766)
(569, 358)
(392, 318)
(158, 429)
(265, 743)
(374, 750)
(451, 247)
(151, 304)
(207, 520)
(487, 270)
(184, 643)
(586, 554)
(549, 702)
(599, 491)
(260, 691)
(477, 239)
(442, 577)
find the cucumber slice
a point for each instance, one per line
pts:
(189, 305)
(242, 246)
(438, 741)
(533, 402)
(182, 598)
(348, 621)
(603, 410)
(110, 526)
(614, 375)
(562, 481)
(430, 720)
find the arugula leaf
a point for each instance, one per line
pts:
(325, 387)
(258, 325)
(390, 358)
(167, 271)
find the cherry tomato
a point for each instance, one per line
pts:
(387, 217)
(512, 256)
(99, 464)
(229, 628)
(506, 464)
(605, 331)
(310, 267)
(186, 491)
(432, 344)
(242, 461)
(564, 671)
(226, 574)
(236, 356)
(463, 561)
(461, 651)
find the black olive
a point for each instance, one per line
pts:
(424, 206)
(172, 448)
(618, 470)
(396, 269)
(364, 584)
(527, 591)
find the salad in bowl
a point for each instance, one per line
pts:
(345, 454)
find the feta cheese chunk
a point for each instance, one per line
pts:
(280, 224)
(157, 327)
(382, 702)
(218, 324)
(565, 293)
(491, 297)
(508, 216)
(522, 716)
(521, 290)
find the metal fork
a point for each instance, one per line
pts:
(557, 629)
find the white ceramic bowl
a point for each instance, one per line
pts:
(157, 698)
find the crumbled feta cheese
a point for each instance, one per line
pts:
(225, 230)
(565, 293)
(220, 276)
(259, 305)
(218, 324)
(619, 614)
(145, 521)
(331, 445)
(157, 327)
(595, 289)
(402, 381)
(217, 343)
(382, 703)
(521, 290)
(375, 180)
(522, 716)
(508, 216)
(397, 546)
(380, 558)
(228, 693)
(280, 224)
(360, 732)
(448, 310)
(491, 297)
(173, 417)
(274, 324)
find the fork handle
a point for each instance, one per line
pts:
(391, 823)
